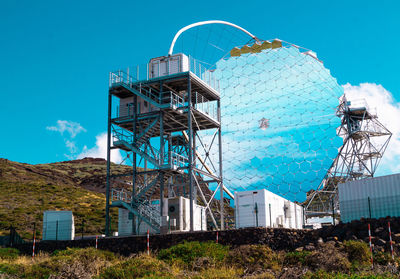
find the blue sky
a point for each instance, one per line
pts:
(55, 57)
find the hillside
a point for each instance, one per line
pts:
(78, 185)
(28, 190)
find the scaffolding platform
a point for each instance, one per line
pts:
(155, 123)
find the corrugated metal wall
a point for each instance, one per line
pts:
(372, 197)
(58, 225)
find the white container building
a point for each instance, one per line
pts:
(168, 65)
(158, 67)
(177, 220)
(262, 208)
(58, 225)
(371, 197)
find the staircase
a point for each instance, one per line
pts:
(124, 139)
(142, 209)
(147, 134)
(147, 126)
(140, 205)
(148, 190)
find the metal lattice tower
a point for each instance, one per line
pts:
(158, 123)
(364, 142)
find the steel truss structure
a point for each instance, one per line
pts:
(364, 142)
(161, 132)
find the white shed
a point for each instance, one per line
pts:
(262, 208)
(58, 225)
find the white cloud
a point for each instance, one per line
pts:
(73, 128)
(71, 146)
(100, 150)
(388, 111)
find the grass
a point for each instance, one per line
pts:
(191, 254)
(186, 260)
(8, 253)
(255, 258)
(332, 275)
(25, 203)
(28, 190)
(70, 263)
(358, 252)
(141, 266)
(79, 185)
(296, 258)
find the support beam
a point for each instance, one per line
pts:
(134, 159)
(229, 193)
(162, 196)
(207, 204)
(107, 228)
(221, 190)
(191, 192)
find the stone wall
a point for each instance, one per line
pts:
(277, 239)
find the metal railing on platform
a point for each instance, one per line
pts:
(206, 106)
(141, 73)
(121, 195)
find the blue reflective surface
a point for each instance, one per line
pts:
(278, 121)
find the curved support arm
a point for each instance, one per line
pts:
(171, 49)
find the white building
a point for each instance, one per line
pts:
(58, 225)
(262, 208)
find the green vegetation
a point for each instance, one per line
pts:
(296, 258)
(255, 258)
(330, 257)
(358, 252)
(27, 201)
(8, 253)
(141, 266)
(200, 260)
(28, 190)
(325, 275)
(382, 258)
(78, 185)
(194, 254)
(71, 263)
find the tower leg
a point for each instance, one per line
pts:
(221, 188)
(135, 228)
(190, 171)
(107, 228)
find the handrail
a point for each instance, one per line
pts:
(141, 74)
(209, 108)
(142, 207)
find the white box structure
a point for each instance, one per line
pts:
(58, 225)
(376, 197)
(177, 220)
(126, 107)
(263, 208)
(168, 65)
